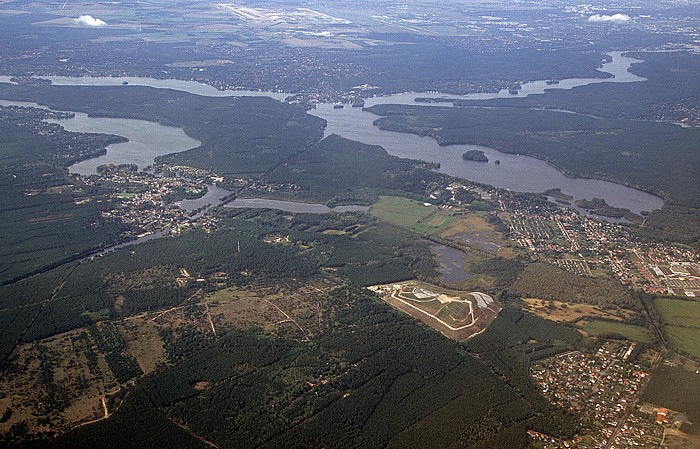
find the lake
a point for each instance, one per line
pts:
(147, 140)
(515, 172)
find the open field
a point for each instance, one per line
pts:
(412, 215)
(232, 307)
(685, 339)
(564, 311)
(679, 313)
(72, 374)
(597, 327)
(78, 378)
(457, 315)
(143, 343)
(681, 321)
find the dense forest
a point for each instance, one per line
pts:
(373, 378)
(629, 152)
(346, 171)
(676, 387)
(545, 281)
(43, 220)
(241, 136)
(666, 94)
(144, 277)
(325, 362)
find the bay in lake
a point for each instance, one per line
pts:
(147, 140)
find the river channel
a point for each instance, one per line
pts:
(292, 206)
(515, 172)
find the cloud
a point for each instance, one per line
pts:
(615, 18)
(89, 21)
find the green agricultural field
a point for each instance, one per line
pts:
(682, 324)
(597, 327)
(412, 215)
(686, 339)
(679, 313)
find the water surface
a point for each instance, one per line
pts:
(452, 263)
(292, 206)
(515, 172)
(213, 197)
(193, 87)
(147, 140)
(618, 68)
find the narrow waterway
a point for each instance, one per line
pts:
(292, 206)
(618, 67)
(213, 197)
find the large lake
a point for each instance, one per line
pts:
(516, 172)
(147, 140)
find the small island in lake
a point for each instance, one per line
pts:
(557, 193)
(475, 155)
(107, 169)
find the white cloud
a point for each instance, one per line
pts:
(615, 18)
(89, 21)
